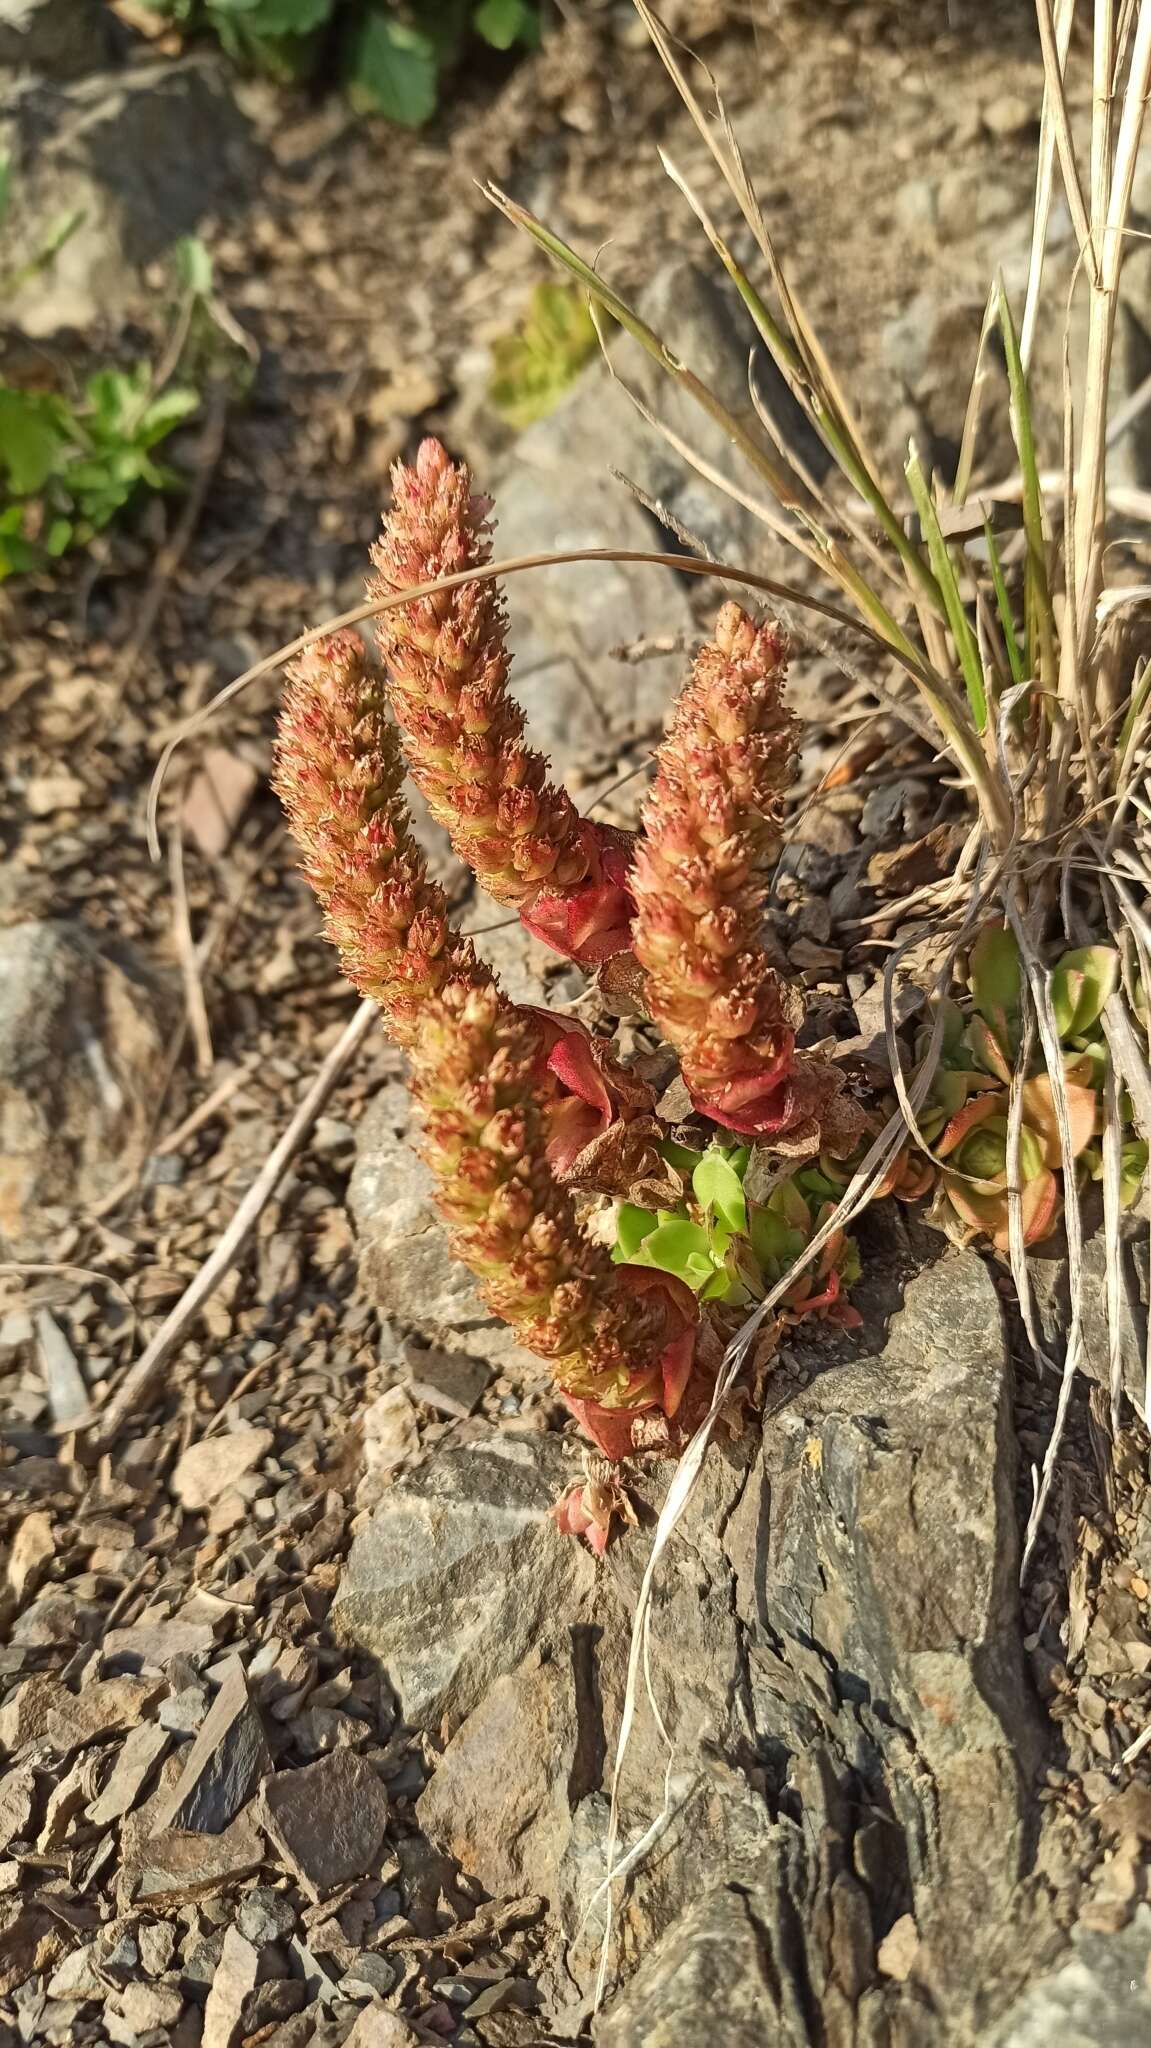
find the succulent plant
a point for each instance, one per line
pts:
(731, 1250)
(967, 1118)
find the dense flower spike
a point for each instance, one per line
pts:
(614, 1346)
(447, 679)
(339, 772)
(511, 1096)
(339, 775)
(710, 830)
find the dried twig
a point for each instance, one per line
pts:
(141, 1379)
(195, 1006)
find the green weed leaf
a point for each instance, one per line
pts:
(33, 438)
(502, 23)
(391, 69)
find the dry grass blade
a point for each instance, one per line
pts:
(1044, 183)
(1101, 333)
(818, 409)
(1112, 1194)
(724, 146)
(1055, 100)
(684, 565)
(758, 507)
(185, 946)
(1073, 1221)
(1017, 1248)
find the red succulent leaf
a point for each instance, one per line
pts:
(592, 1093)
(614, 1430)
(585, 1511)
(1039, 1115)
(591, 920)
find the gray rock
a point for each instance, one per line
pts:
(406, 1267)
(715, 1981)
(326, 1820)
(1101, 1995)
(499, 1801)
(265, 1915)
(557, 493)
(82, 1033)
(443, 1380)
(461, 1572)
(836, 1656)
(224, 1764)
(57, 39)
(122, 157)
(142, 1751)
(234, 1981)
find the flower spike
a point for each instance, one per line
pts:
(710, 830)
(511, 1098)
(448, 683)
(339, 774)
(615, 1346)
(448, 667)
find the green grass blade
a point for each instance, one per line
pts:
(765, 466)
(944, 568)
(817, 404)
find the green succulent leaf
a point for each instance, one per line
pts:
(775, 1242)
(718, 1189)
(1081, 984)
(680, 1156)
(678, 1247)
(1132, 1170)
(996, 975)
(632, 1226)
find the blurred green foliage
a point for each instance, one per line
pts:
(390, 60)
(70, 463)
(534, 364)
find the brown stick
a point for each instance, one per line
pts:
(142, 1377)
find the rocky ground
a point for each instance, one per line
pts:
(308, 1711)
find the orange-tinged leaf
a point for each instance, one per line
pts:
(976, 1110)
(1039, 1115)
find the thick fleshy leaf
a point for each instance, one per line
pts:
(1081, 983)
(984, 1209)
(986, 1048)
(1039, 1115)
(996, 977)
(592, 921)
(679, 1247)
(632, 1226)
(976, 1110)
(718, 1189)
